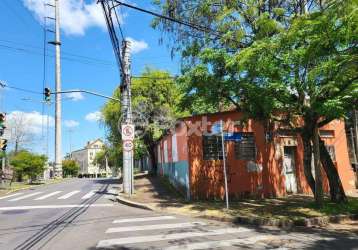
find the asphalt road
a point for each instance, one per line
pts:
(83, 214)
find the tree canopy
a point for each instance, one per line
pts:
(274, 60)
(70, 168)
(155, 106)
(27, 164)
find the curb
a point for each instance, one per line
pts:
(130, 203)
(282, 223)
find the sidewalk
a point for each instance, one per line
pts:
(156, 194)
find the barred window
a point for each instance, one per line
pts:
(246, 148)
(331, 151)
(212, 147)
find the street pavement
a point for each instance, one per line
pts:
(83, 214)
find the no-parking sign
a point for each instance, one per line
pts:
(127, 132)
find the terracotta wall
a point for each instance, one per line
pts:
(206, 176)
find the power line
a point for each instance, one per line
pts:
(51, 55)
(63, 52)
(3, 85)
(188, 24)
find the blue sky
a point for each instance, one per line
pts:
(84, 34)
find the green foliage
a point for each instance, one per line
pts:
(293, 60)
(156, 101)
(28, 164)
(70, 168)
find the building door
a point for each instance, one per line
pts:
(290, 169)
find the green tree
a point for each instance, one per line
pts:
(28, 164)
(70, 168)
(155, 104)
(293, 58)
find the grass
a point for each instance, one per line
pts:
(293, 208)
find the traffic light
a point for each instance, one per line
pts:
(3, 144)
(2, 123)
(47, 95)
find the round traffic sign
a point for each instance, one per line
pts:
(128, 145)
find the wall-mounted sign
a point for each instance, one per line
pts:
(233, 136)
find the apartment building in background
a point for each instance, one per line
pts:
(85, 158)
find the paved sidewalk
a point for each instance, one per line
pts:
(155, 193)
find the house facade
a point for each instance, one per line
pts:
(260, 164)
(85, 158)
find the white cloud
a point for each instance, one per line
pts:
(33, 121)
(76, 96)
(94, 116)
(76, 16)
(137, 46)
(71, 123)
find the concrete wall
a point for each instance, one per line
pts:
(172, 159)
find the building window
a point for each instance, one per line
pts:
(331, 151)
(212, 147)
(246, 148)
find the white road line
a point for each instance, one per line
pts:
(89, 194)
(9, 196)
(221, 243)
(66, 196)
(163, 237)
(55, 206)
(154, 227)
(26, 196)
(144, 219)
(47, 195)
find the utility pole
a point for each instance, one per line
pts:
(127, 127)
(58, 131)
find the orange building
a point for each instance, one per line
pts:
(259, 165)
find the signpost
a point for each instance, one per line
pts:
(226, 136)
(224, 161)
(128, 146)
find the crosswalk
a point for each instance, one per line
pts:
(58, 195)
(171, 233)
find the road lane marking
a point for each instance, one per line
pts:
(144, 219)
(66, 196)
(89, 194)
(220, 243)
(164, 237)
(55, 206)
(26, 196)
(9, 196)
(154, 227)
(47, 195)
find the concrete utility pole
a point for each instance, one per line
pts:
(127, 121)
(58, 131)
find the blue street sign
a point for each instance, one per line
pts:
(216, 128)
(232, 136)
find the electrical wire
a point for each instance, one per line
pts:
(3, 85)
(188, 24)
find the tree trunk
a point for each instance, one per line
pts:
(307, 161)
(335, 185)
(317, 165)
(151, 151)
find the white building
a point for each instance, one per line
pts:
(85, 158)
